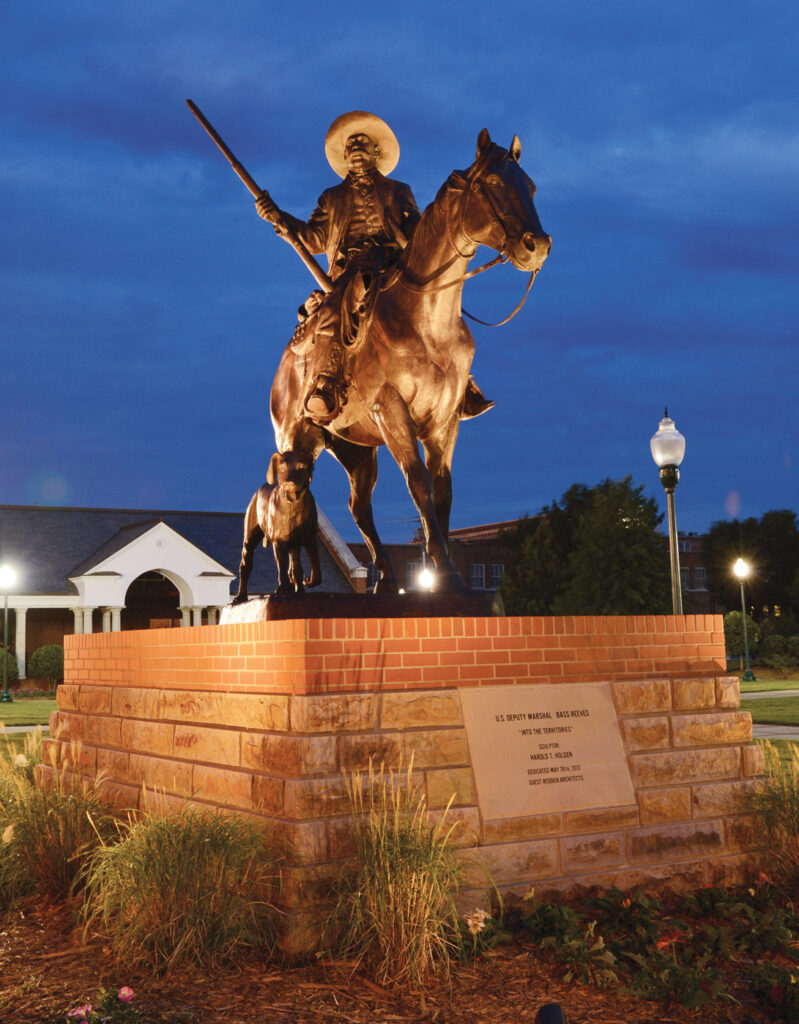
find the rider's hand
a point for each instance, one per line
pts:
(267, 209)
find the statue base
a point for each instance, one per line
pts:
(418, 605)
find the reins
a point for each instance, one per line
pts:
(473, 181)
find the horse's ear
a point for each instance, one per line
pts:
(483, 142)
(271, 473)
(516, 148)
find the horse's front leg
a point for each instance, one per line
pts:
(361, 466)
(398, 430)
(438, 450)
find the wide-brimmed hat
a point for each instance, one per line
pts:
(358, 122)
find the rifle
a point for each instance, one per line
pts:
(320, 276)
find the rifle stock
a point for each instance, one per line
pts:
(319, 275)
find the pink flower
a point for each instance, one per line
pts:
(81, 1011)
(626, 903)
(125, 994)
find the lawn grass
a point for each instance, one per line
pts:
(761, 685)
(15, 741)
(774, 711)
(27, 712)
(783, 748)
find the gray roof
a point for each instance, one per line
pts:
(47, 545)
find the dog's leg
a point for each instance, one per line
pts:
(296, 569)
(253, 535)
(284, 584)
(312, 551)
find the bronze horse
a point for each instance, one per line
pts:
(407, 382)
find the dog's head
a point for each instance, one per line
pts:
(292, 472)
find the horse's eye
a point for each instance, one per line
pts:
(493, 179)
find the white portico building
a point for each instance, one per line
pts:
(91, 570)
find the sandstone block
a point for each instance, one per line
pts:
(240, 710)
(94, 700)
(728, 692)
(336, 712)
(744, 834)
(754, 761)
(307, 885)
(102, 731)
(694, 693)
(289, 755)
(663, 805)
(223, 786)
(67, 697)
(65, 726)
(134, 702)
(267, 794)
(437, 747)
(602, 819)
(676, 842)
(464, 823)
(160, 773)
(304, 842)
(340, 838)
(738, 869)
(707, 729)
(634, 698)
(315, 798)
(118, 794)
(115, 763)
(414, 710)
(51, 753)
(591, 853)
(645, 733)
(514, 862)
(444, 783)
(356, 752)
(79, 758)
(505, 830)
(720, 798)
(148, 737)
(201, 743)
(684, 766)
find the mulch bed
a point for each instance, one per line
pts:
(46, 969)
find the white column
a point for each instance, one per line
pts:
(87, 620)
(116, 619)
(78, 613)
(106, 620)
(213, 615)
(196, 616)
(185, 616)
(19, 639)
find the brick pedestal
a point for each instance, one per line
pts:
(265, 717)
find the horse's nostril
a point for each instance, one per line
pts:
(529, 241)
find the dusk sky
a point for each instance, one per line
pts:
(146, 306)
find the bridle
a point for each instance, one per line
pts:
(473, 184)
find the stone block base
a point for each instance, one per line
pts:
(265, 718)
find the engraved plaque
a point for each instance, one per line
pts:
(545, 748)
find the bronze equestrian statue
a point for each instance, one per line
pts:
(382, 353)
(405, 351)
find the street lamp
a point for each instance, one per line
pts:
(741, 570)
(7, 580)
(668, 449)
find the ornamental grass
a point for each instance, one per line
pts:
(189, 888)
(775, 804)
(395, 912)
(48, 831)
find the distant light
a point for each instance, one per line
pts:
(8, 577)
(426, 579)
(741, 569)
(402, 590)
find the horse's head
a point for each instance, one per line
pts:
(497, 209)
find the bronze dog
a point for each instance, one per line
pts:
(283, 512)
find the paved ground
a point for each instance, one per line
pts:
(766, 694)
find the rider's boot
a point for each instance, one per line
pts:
(475, 402)
(324, 400)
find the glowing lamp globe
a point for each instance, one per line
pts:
(741, 569)
(668, 444)
(7, 577)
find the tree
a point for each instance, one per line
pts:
(734, 635)
(597, 552)
(771, 546)
(47, 663)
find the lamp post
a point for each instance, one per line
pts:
(741, 570)
(668, 448)
(7, 580)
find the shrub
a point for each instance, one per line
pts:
(47, 663)
(776, 806)
(396, 912)
(190, 888)
(47, 832)
(12, 671)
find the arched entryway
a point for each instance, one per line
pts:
(151, 602)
